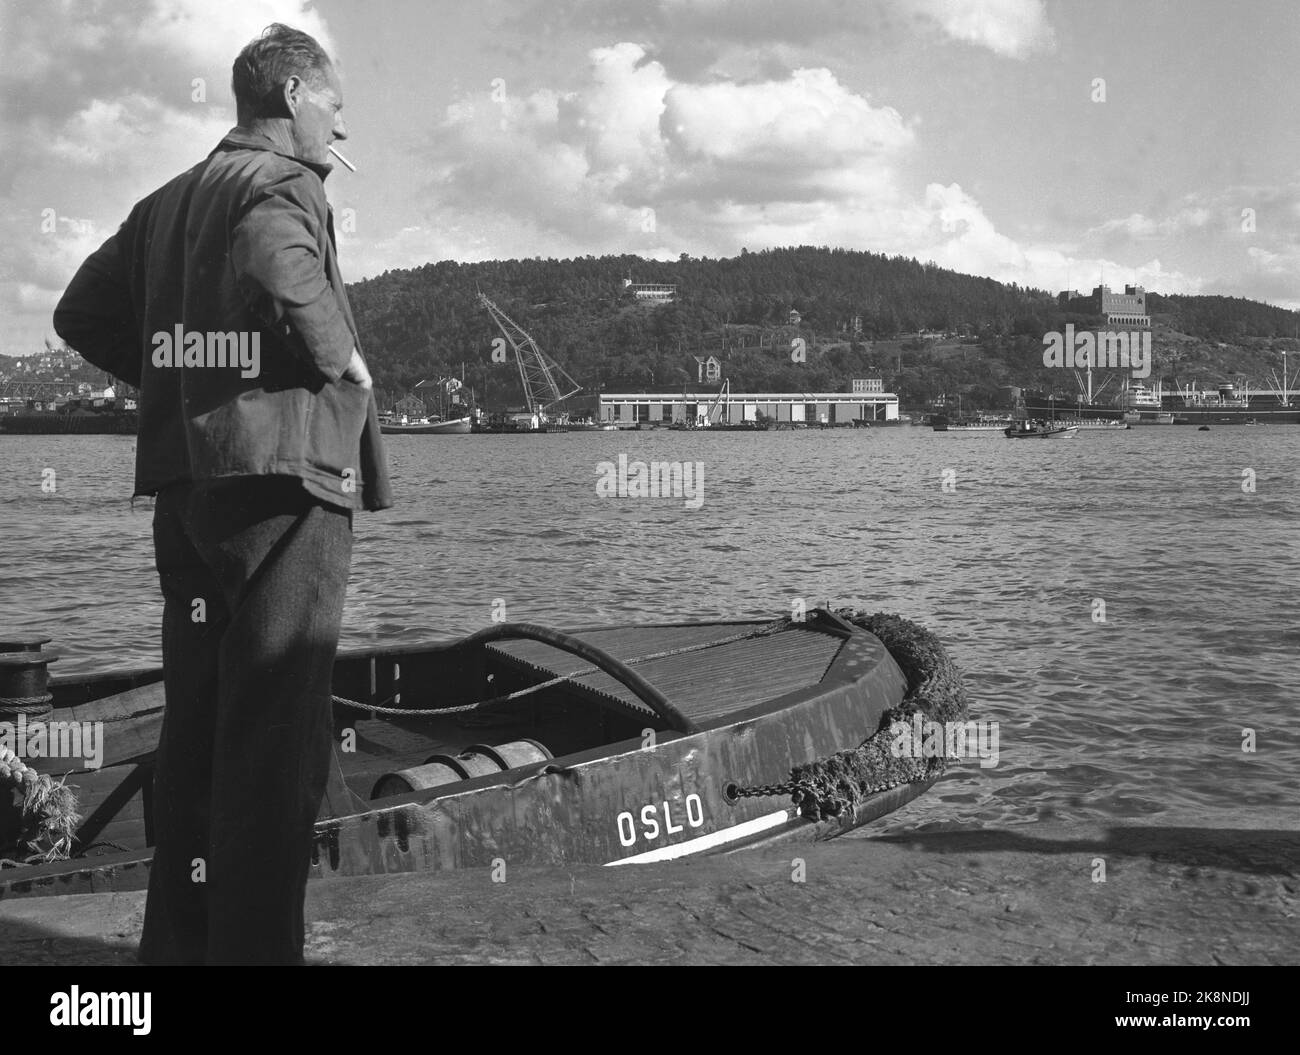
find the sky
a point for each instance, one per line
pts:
(1051, 143)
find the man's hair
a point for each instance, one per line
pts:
(267, 62)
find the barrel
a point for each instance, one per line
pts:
(477, 760)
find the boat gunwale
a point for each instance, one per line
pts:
(148, 674)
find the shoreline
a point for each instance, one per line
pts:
(1023, 894)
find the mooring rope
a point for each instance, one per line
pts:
(48, 813)
(27, 704)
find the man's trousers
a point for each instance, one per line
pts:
(253, 573)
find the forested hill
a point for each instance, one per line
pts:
(426, 322)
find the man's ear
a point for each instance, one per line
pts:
(292, 95)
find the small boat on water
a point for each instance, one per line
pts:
(411, 415)
(1022, 427)
(591, 425)
(1040, 430)
(611, 745)
(426, 426)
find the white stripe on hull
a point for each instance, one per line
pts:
(706, 842)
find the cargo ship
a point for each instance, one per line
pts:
(1134, 404)
(1191, 405)
(1141, 405)
(1228, 406)
(97, 415)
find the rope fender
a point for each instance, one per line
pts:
(828, 787)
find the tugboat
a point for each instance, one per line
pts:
(1022, 428)
(1040, 430)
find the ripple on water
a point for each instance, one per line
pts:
(1137, 716)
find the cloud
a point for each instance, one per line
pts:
(781, 123)
(1136, 226)
(637, 161)
(1244, 238)
(102, 106)
(693, 37)
(1011, 28)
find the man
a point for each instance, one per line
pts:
(221, 298)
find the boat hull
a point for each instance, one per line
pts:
(658, 795)
(120, 423)
(1065, 433)
(1265, 411)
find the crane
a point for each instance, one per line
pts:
(540, 375)
(717, 412)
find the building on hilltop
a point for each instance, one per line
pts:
(652, 291)
(1120, 309)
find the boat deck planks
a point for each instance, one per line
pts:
(706, 684)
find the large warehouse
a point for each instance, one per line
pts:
(824, 408)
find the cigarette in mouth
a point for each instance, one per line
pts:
(347, 164)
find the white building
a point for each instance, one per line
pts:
(656, 291)
(824, 408)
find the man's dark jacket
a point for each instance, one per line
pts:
(242, 243)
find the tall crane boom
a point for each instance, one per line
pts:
(539, 374)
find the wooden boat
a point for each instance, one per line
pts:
(610, 745)
(588, 425)
(427, 427)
